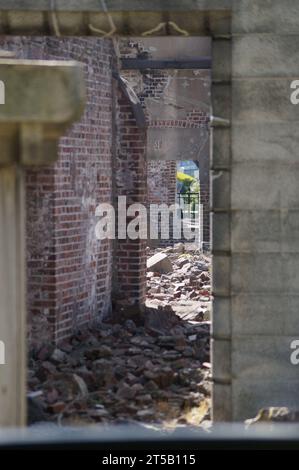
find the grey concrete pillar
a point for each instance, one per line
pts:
(220, 162)
(256, 204)
(265, 204)
(41, 100)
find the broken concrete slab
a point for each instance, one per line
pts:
(159, 263)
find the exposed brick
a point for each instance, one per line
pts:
(161, 174)
(65, 262)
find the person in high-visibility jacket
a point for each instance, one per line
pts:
(187, 183)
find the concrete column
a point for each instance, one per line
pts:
(41, 100)
(265, 205)
(220, 162)
(12, 298)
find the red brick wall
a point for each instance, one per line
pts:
(130, 181)
(69, 271)
(161, 189)
(152, 84)
(162, 182)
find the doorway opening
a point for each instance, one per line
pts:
(130, 261)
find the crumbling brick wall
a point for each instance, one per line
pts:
(161, 189)
(69, 271)
(151, 84)
(154, 85)
(162, 182)
(130, 181)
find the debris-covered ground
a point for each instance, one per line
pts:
(119, 373)
(182, 279)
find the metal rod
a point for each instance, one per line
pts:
(204, 63)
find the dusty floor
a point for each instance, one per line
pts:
(155, 373)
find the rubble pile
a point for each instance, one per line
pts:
(122, 373)
(184, 282)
